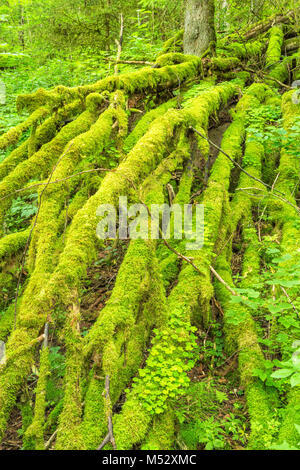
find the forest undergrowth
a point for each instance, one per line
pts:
(142, 344)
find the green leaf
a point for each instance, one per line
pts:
(295, 380)
(281, 373)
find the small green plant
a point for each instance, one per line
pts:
(290, 369)
(236, 428)
(212, 345)
(20, 213)
(173, 353)
(207, 433)
(54, 384)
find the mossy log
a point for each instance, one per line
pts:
(158, 301)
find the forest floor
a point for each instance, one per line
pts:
(230, 347)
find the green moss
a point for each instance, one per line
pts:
(44, 133)
(6, 322)
(13, 135)
(288, 432)
(69, 435)
(147, 79)
(247, 50)
(274, 66)
(88, 144)
(13, 243)
(34, 436)
(273, 53)
(243, 336)
(172, 58)
(80, 247)
(173, 44)
(94, 425)
(52, 419)
(123, 306)
(162, 434)
(40, 162)
(14, 371)
(134, 427)
(138, 293)
(143, 125)
(184, 300)
(283, 216)
(169, 263)
(27, 416)
(224, 63)
(144, 157)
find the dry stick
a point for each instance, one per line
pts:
(55, 182)
(46, 336)
(130, 62)
(222, 281)
(279, 194)
(290, 300)
(263, 74)
(30, 234)
(51, 439)
(110, 436)
(105, 441)
(271, 194)
(119, 43)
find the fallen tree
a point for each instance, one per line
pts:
(160, 295)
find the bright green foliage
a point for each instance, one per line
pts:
(165, 332)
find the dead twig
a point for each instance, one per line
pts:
(290, 300)
(50, 440)
(263, 75)
(283, 199)
(130, 62)
(275, 192)
(119, 43)
(110, 436)
(47, 183)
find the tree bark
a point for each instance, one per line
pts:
(199, 28)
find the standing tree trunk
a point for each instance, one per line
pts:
(22, 21)
(199, 28)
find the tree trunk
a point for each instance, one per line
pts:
(22, 21)
(199, 30)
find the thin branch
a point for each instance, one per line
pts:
(47, 183)
(110, 436)
(129, 62)
(272, 193)
(290, 300)
(105, 441)
(50, 440)
(119, 42)
(46, 336)
(266, 75)
(278, 193)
